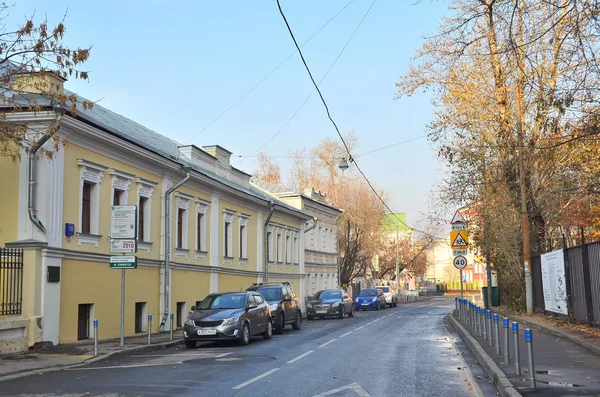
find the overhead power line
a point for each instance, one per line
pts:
(335, 125)
(268, 74)
(320, 81)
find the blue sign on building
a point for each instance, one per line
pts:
(69, 229)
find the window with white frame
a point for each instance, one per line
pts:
(121, 182)
(183, 209)
(270, 243)
(91, 176)
(288, 248)
(201, 214)
(228, 235)
(296, 248)
(145, 193)
(243, 237)
(279, 247)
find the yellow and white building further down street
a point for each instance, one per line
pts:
(216, 228)
(321, 255)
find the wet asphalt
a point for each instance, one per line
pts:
(405, 351)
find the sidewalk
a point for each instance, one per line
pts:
(66, 355)
(562, 367)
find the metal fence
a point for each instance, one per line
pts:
(11, 281)
(582, 273)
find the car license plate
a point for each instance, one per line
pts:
(365, 304)
(207, 332)
(321, 311)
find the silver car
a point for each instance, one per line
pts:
(391, 298)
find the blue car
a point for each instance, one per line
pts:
(371, 298)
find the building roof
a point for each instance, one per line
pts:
(270, 187)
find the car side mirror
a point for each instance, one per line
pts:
(252, 306)
(193, 308)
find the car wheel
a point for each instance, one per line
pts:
(245, 338)
(279, 327)
(190, 344)
(310, 317)
(298, 322)
(269, 332)
(342, 312)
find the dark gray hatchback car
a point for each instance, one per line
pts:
(228, 316)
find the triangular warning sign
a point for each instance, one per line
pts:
(457, 218)
(459, 241)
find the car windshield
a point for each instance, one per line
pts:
(329, 295)
(227, 301)
(385, 289)
(368, 292)
(271, 294)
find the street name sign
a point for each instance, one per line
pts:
(460, 262)
(123, 262)
(127, 246)
(123, 221)
(459, 251)
(457, 218)
(459, 239)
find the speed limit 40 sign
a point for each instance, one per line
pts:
(460, 262)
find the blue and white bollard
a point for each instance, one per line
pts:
(171, 317)
(95, 337)
(515, 331)
(529, 344)
(497, 334)
(489, 322)
(149, 328)
(506, 339)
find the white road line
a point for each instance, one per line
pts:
(326, 343)
(241, 385)
(369, 323)
(346, 334)
(224, 354)
(356, 329)
(376, 320)
(121, 366)
(300, 356)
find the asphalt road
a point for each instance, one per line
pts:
(403, 351)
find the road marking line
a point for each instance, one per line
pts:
(326, 343)
(223, 355)
(255, 379)
(356, 329)
(300, 356)
(353, 386)
(122, 366)
(346, 334)
(376, 320)
(369, 323)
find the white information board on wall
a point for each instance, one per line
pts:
(553, 281)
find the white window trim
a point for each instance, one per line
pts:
(288, 247)
(120, 181)
(93, 173)
(145, 188)
(183, 202)
(243, 221)
(279, 248)
(271, 239)
(228, 217)
(201, 209)
(296, 248)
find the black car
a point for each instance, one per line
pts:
(284, 303)
(228, 316)
(329, 302)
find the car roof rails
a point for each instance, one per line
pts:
(270, 284)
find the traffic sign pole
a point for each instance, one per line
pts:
(461, 284)
(122, 307)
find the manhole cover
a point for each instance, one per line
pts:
(229, 359)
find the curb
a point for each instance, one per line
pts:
(500, 380)
(553, 331)
(116, 353)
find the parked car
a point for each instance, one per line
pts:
(228, 316)
(329, 302)
(370, 298)
(391, 298)
(284, 302)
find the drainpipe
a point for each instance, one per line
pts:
(168, 193)
(31, 192)
(266, 242)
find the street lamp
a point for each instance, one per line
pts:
(343, 165)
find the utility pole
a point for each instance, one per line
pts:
(397, 262)
(522, 184)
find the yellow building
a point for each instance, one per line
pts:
(214, 220)
(321, 256)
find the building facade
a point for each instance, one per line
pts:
(321, 256)
(216, 229)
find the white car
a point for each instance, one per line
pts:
(391, 298)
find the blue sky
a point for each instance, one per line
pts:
(175, 66)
